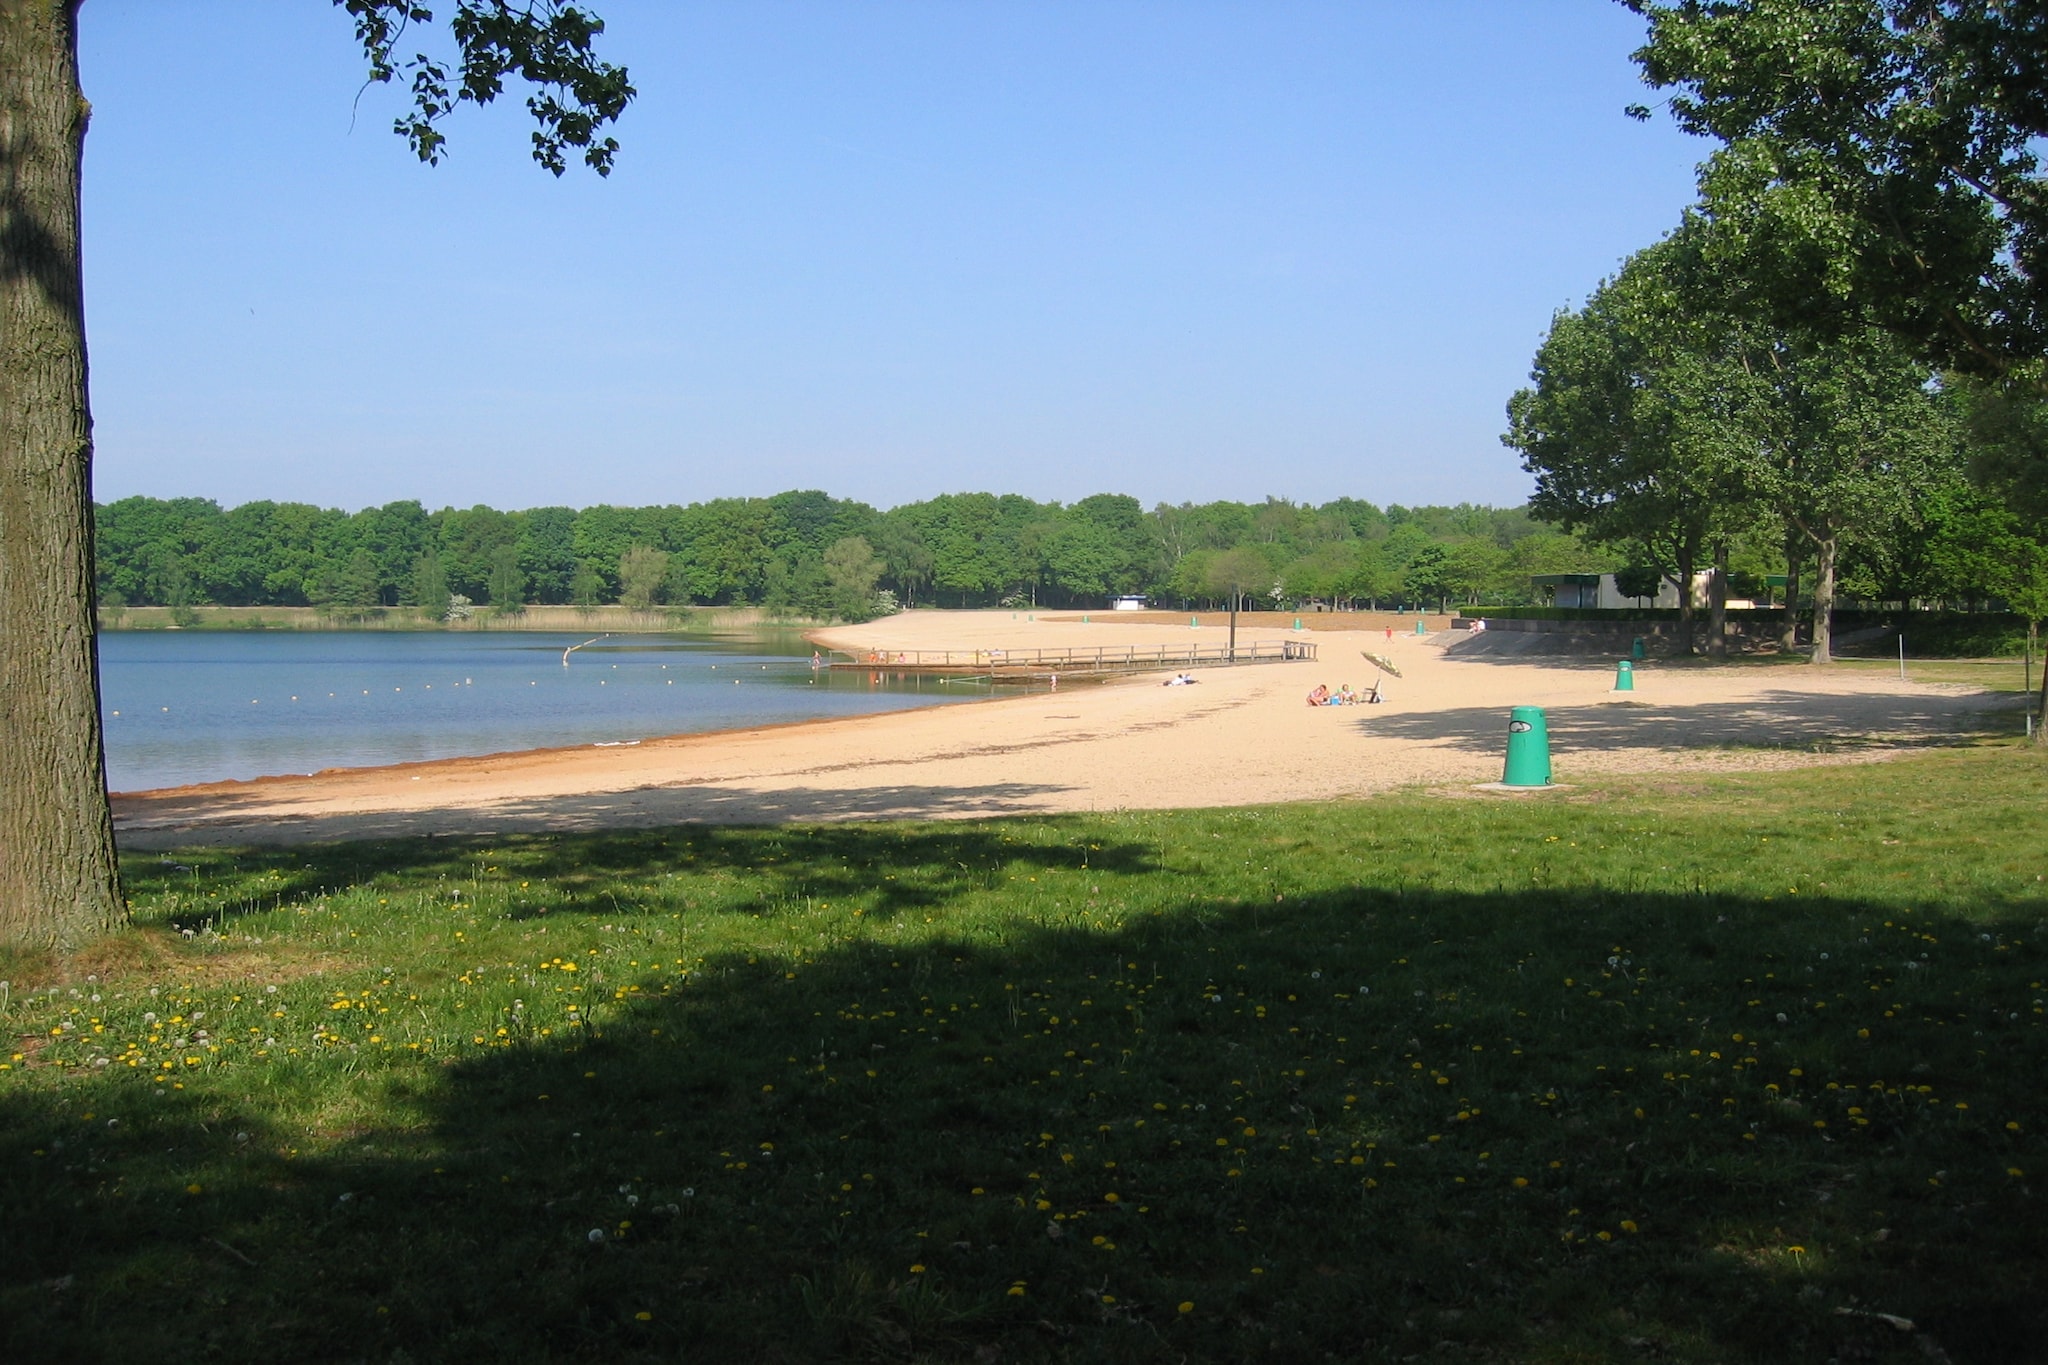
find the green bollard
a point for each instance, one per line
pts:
(1528, 762)
(1421, 628)
(1297, 623)
(1194, 623)
(1625, 677)
(1635, 650)
(1084, 620)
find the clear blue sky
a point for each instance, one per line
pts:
(1179, 249)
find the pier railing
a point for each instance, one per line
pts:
(1098, 659)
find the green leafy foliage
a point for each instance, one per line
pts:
(971, 548)
(549, 45)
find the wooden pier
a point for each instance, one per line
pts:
(1038, 663)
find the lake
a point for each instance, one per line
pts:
(190, 706)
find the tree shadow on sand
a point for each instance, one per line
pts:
(211, 819)
(1772, 720)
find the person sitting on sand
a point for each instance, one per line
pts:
(1180, 680)
(1345, 696)
(1319, 697)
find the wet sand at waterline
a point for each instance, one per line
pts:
(1242, 736)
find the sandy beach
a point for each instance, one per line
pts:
(1239, 736)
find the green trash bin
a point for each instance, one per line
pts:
(1421, 626)
(1635, 649)
(1528, 762)
(1625, 677)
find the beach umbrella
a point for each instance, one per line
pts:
(1381, 662)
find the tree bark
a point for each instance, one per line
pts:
(1788, 634)
(59, 884)
(1824, 601)
(2041, 701)
(1686, 551)
(1717, 602)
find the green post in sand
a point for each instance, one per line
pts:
(1625, 677)
(1635, 649)
(1528, 762)
(1421, 628)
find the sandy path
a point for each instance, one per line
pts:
(1242, 736)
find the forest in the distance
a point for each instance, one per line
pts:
(808, 553)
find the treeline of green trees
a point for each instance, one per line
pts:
(1836, 366)
(812, 554)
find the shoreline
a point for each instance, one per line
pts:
(232, 785)
(538, 618)
(1242, 737)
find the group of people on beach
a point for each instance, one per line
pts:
(1344, 696)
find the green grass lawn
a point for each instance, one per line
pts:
(1993, 675)
(1702, 1069)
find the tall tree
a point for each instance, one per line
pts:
(1882, 165)
(59, 883)
(508, 580)
(852, 569)
(1621, 426)
(430, 585)
(641, 572)
(1236, 572)
(1850, 445)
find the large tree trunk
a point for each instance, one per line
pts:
(1788, 634)
(1717, 603)
(1824, 601)
(58, 880)
(2040, 702)
(1686, 551)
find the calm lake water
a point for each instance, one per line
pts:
(189, 706)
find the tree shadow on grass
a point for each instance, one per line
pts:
(1365, 1124)
(1773, 720)
(891, 869)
